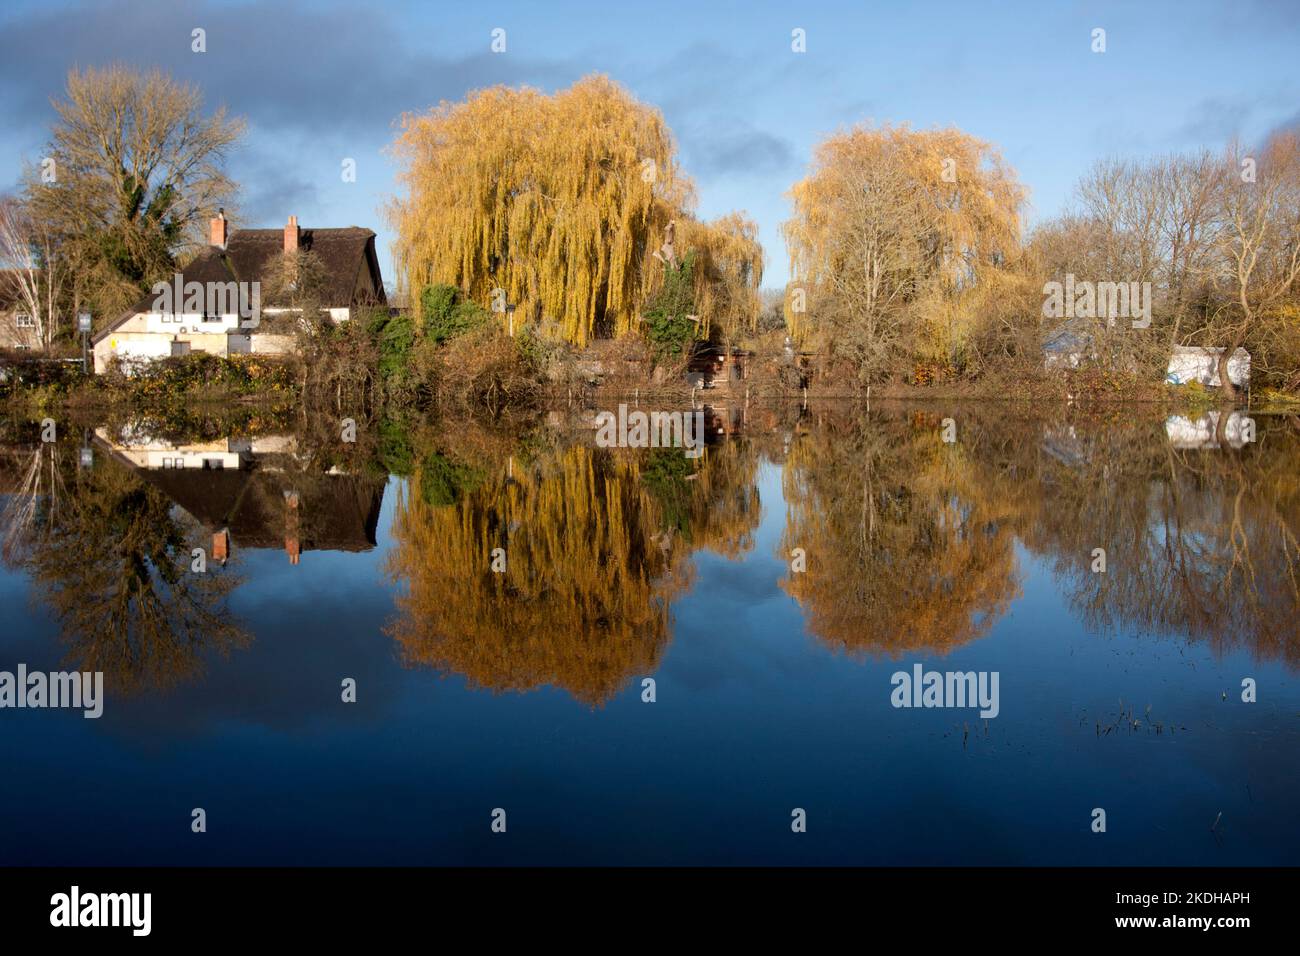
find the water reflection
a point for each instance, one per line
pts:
(256, 492)
(912, 544)
(910, 540)
(109, 559)
(1200, 539)
(595, 544)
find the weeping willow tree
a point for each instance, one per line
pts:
(583, 602)
(898, 241)
(595, 544)
(561, 202)
(729, 271)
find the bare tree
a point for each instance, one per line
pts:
(133, 171)
(898, 237)
(1260, 242)
(36, 269)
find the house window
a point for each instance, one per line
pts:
(173, 462)
(25, 321)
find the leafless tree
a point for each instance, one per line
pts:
(35, 268)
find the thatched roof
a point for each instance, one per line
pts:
(351, 266)
(333, 512)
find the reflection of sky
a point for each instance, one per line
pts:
(754, 717)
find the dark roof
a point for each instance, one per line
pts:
(351, 267)
(343, 252)
(1073, 335)
(335, 512)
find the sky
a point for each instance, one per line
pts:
(323, 82)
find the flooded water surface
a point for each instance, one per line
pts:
(917, 640)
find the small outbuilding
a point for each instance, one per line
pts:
(1194, 364)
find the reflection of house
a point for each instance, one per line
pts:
(1204, 432)
(225, 270)
(250, 494)
(1062, 443)
(1190, 364)
(17, 325)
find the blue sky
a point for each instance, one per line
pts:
(325, 81)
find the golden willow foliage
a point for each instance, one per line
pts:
(891, 256)
(561, 201)
(592, 566)
(728, 273)
(907, 549)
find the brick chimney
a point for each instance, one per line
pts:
(218, 229)
(221, 545)
(291, 235)
(292, 546)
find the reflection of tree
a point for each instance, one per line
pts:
(910, 541)
(1200, 544)
(712, 503)
(38, 490)
(592, 563)
(909, 547)
(113, 565)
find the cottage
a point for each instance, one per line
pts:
(234, 262)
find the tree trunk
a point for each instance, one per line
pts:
(1230, 391)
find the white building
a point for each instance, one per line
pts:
(1192, 364)
(234, 261)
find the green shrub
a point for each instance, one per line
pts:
(667, 327)
(444, 481)
(395, 339)
(445, 314)
(664, 473)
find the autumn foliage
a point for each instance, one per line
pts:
(901, 242)
(561, 201)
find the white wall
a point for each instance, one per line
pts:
(1202, 365)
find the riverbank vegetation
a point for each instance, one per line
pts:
(548, 244)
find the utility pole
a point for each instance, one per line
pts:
(83, 326)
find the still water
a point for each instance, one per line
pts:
(770, 589)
